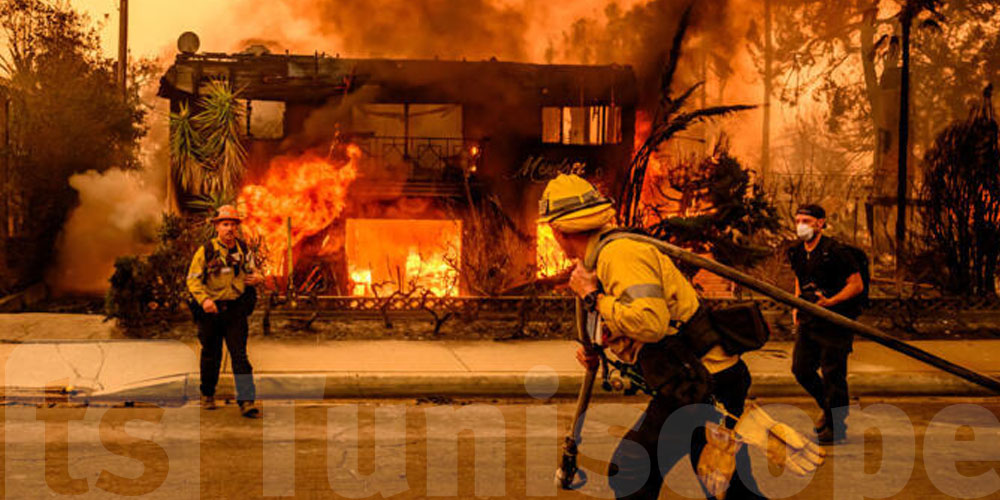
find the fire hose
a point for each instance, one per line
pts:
(786, 298)
(568, 472)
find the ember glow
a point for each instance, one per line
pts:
(550, 258)
(405, 255)
(310, 190)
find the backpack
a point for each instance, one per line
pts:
(741, 327)
(864, 268)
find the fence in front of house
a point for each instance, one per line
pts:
(896, 313)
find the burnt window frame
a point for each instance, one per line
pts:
(610, 114)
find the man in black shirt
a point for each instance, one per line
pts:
(828, 275)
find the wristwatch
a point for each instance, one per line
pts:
(590, 300)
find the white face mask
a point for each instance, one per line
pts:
(805, 232)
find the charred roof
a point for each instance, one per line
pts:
(304, 78)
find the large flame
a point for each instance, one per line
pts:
(405, 255)
(310, 190)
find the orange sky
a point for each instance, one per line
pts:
(155, 24)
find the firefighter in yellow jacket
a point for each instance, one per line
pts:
(649, 316)
(221, 279)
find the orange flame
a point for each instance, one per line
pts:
(404, 255)
(312, 191)
(550, 257)
(656, 184)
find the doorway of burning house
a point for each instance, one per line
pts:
(406, 256)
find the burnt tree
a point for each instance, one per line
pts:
(962, 192)
(668, 120)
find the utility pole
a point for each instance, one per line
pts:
(123, 46)
(5, 180)
(765, 141)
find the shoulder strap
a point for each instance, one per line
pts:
(208, 254)
(209, 251)
(241, 246)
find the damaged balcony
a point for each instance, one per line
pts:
(415, 166)
(411, 149)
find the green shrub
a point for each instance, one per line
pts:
(150, 290)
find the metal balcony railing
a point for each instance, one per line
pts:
(423, 158)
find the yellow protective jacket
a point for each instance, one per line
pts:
(645, 298)
(217, 280)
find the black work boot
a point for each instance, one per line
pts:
(208, 402)
(820, 424)
(249, 410)
(830, 436)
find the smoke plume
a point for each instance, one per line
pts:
(633, 32)
(117, 215)
(449, 29)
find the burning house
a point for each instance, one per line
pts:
(369, 175)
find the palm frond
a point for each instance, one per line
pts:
(666, 122)
(222, 147)
(185, 143)
(666, 81)
(207, 204)
(683, 121)
(677, 104)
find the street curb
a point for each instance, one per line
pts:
(887, 384)
(348, 385)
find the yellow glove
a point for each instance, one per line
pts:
(783, 445)
(718, 460)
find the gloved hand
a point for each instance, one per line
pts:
(783, 445)
(718, 460)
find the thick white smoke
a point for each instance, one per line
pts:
(118, 215)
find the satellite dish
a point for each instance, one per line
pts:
(188, 42)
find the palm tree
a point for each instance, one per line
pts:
(222, 147)
(206, 148)
(185, 143)
(667, 121)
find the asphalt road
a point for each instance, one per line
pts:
(897, 448)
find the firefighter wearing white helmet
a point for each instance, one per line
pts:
(649, 316)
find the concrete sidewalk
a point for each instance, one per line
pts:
(156, 371)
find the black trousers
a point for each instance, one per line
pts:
(649, 450)
(813, 352)
(229, 325)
